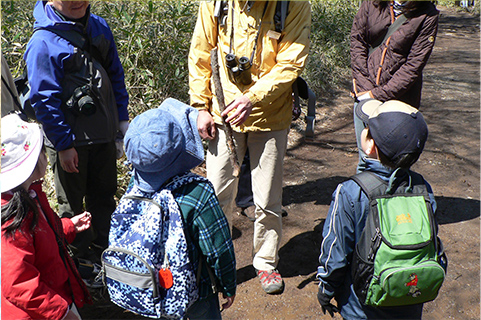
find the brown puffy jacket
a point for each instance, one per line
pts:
(402, 58)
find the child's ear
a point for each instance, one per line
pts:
(370, 148)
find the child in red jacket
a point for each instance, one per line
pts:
(39, 278)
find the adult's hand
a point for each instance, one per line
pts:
(229, 302)
(69, 160)
(364, 95)
(242, 108)
(206, 125)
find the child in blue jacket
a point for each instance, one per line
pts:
(78, 92)
(393, 137)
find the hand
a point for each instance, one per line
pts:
(119, 148)
(326, 304)
(82, 221)
(69, 160)
(123, 126)
(242, 107)
(229, 302)
(71, 316)
(119, 141)
(364, 95)
(206, 125)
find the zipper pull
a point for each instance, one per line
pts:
(376, 241)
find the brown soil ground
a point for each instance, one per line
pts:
(450, 162)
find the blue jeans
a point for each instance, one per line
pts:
(206, 309)
(358, 127)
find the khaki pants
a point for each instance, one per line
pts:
(266, 150)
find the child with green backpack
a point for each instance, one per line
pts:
(380, 255)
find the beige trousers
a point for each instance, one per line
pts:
(266, 151)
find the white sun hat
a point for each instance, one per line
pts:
(21, 145)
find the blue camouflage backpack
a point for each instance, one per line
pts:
(146, 267)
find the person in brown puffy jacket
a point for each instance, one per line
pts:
(387, 68)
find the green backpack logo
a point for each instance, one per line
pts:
(397, 260)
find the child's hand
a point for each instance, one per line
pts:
(228, 303)
(82, 221)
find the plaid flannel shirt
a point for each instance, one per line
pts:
(208, 236)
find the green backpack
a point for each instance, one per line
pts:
(398, 259)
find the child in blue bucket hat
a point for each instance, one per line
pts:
(163, 144)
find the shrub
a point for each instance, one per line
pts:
(153, 40)
(329, 60)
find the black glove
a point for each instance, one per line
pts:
(326, 304)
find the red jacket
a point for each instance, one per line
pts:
(404, 59)
(35, 279)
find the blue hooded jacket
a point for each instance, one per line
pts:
(56, 68)
(342, 230)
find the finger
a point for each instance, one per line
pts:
(212, 133)
(323, 309)
(205, 134)
(231, 106)
(201, 132)
(235, 119)
(240, 119)
(227, 304)
(330, 312)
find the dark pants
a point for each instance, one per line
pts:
(205, 309)
(92, 190)
(245, 197)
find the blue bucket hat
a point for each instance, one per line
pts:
(396, 127)
(162, 143)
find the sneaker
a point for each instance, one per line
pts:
(89, 271)
(93, 283)
(271, 281)
(249, 213)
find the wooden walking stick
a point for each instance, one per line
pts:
(219, 93)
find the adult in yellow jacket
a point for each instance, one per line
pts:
(260, 111)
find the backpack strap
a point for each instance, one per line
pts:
(77, 40)
(282, 8)
(180, 180)
(176, 183)
(374, 186)
(393, 27)
(139, 198)
(17, 106)
(300, 89)
(72, 36)
(370, 183)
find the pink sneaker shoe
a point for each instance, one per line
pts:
(271, 281)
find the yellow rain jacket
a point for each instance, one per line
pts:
(279, 59)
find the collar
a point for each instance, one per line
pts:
(377, 167)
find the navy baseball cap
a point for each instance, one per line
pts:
(396, 127)
(162, 143)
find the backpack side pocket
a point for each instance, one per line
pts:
(132, 283)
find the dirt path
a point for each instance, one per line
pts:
(450, 163)
(313, 169)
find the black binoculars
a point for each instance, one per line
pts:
(239, 70)
(81, 101)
